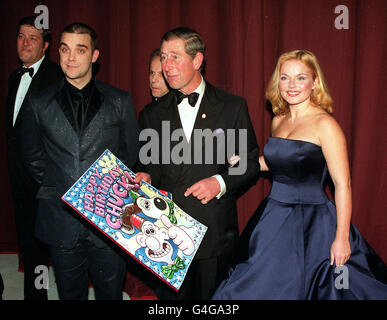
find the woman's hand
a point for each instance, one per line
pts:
(340, 251)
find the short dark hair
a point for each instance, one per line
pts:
(155, 53)
(82, 28)
(30, 21)
(193, 42)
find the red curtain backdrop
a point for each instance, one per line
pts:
(244, 39)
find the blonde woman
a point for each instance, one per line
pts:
(302, 245)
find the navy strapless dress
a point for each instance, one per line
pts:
(285, 248)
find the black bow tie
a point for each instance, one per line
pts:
(25, 70)
(192, 98)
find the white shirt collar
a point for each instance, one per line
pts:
(36, 65)
(202, 86)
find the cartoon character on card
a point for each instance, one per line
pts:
(157, 247)
(157, 206)
(153, 208)
(156, 240)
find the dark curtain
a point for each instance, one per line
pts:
(244, 39)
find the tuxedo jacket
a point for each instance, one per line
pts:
(56, 156)
(218, 111)
(22, 185)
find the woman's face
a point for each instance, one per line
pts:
(296, 82)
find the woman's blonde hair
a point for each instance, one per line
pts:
(319, 97)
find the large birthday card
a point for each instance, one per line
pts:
(142, 220)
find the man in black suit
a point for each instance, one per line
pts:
(66, 128)
(36, 73)
(206, 191)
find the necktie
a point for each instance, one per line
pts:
(81, 113)
(192, 98)
(78, 105)
(25, 70)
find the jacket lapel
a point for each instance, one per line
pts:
(62, 100)
(13, 87)
(209, 110)
(169, 112)
(95, 104)
(95, 116)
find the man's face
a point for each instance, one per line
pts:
(156, 79)
(30, 45)
(179, 68)
(76, 58)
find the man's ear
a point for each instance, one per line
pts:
(198, 60)
(45, 47)
(95, 55)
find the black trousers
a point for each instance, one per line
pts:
(74, 267)
(201, 281)
(33, 252)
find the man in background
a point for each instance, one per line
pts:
(36, 73)
(157, 82)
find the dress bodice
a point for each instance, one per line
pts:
(298, 169)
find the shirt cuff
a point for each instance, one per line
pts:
(222, 185)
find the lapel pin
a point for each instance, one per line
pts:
(204, 116)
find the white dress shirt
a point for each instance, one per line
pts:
(24, 85)
(188, 116)
(188, 113)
